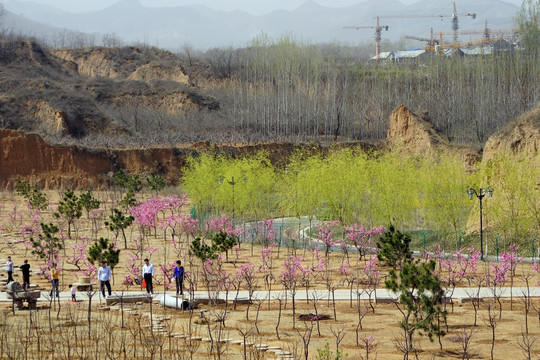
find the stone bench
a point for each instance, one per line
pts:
(129, 299)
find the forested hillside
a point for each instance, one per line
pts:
(273, 90)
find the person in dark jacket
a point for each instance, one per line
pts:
(179, 276)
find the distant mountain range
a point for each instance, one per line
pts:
(204, 28)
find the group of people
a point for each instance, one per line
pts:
(104, 275)
(148, 274)
(25, 270)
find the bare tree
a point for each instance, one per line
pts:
(305, 335)
(464, 339)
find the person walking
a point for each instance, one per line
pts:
(25, 269)
(73, 291)
(104, 276)
(9, 269)
(148, 274)
(55, 276)
(179, 276)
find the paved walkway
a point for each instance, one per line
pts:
(341, 294)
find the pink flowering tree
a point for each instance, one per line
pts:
(468, 264)
(213, 276)
(134, 264)
(222, 224)
(167, 270)
(146, 214)
(451, 275)
(180, 225)
(290, 276)
(511, 259)
(362, 238)
(349, 278)
(495, 279)
(15, 217)
(315, 271)
(325, 233)
(247, 274)
(265, 268)
(371, 272)
(79, 258)
(28, 230)
(266, 232)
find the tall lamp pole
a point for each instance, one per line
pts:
(231, 182)
(480, 194)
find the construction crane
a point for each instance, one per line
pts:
(442, 46)
(431, 41)
(486, 32)
(378, 30)
(454, 16)
(433, 44)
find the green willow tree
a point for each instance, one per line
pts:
(444, 205)
(515, 205)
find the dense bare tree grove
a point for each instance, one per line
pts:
(287, 90)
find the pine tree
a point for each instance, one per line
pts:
(394, 248)
(420, 297)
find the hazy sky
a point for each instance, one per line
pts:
(252, 6)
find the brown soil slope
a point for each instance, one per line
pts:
(414, 134)
(519, 137)
(28, 157)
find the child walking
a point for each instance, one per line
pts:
(73, 291)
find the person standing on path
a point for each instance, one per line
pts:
(72, 291)
(9, 269)
(148, 273)
(55, 276)
(179, 276)
(25, 269)
(104, 276)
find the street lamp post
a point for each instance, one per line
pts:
(480, 195)
(231, 182)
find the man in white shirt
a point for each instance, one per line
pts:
(104, 277)
(9, 269)
(148, 273)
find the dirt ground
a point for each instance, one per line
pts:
(66, 333)
(382, 325)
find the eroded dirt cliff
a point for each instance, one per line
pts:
(519, 137)
(414, 134)
(28, 157)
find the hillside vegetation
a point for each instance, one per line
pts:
(91, 93)
(273, 90)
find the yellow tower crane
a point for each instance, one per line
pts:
(454, 16)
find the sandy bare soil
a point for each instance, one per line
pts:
(65, 332)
